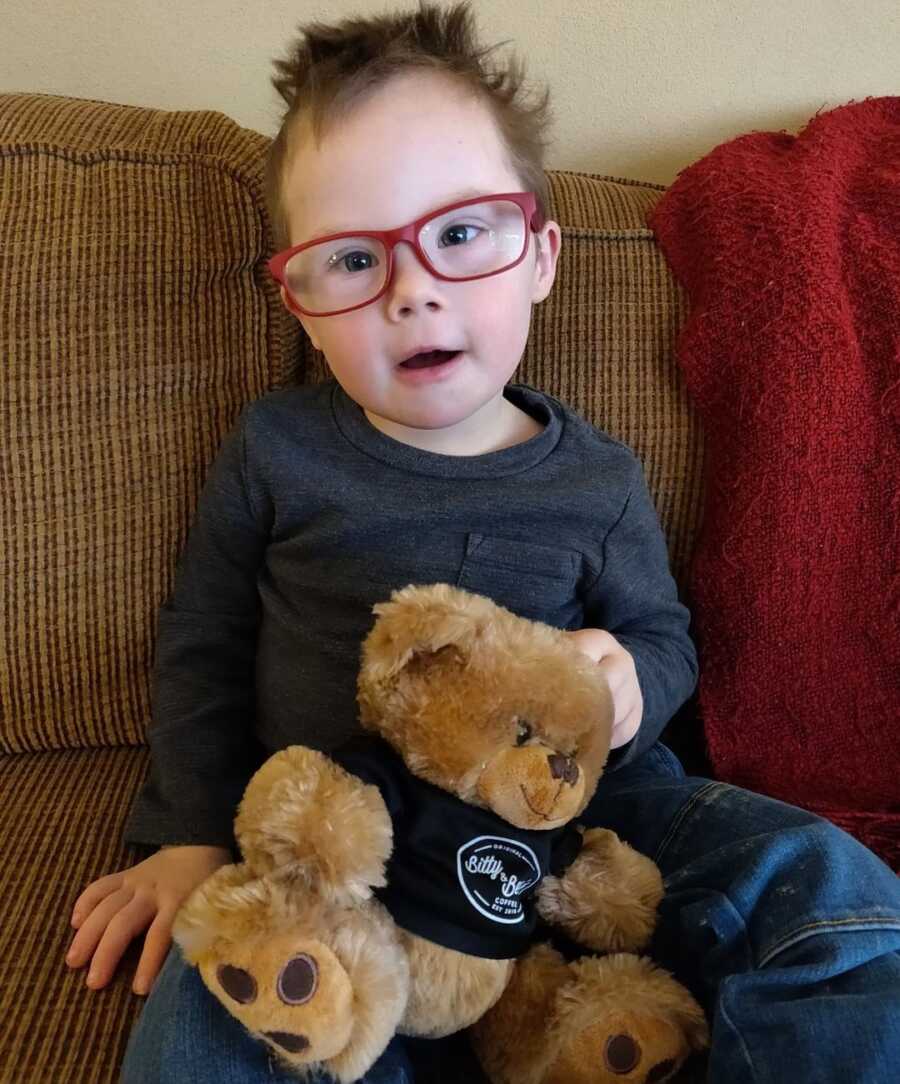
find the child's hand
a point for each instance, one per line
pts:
(617, 663)
(116, 908)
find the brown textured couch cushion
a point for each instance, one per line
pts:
(136, 317)
(60, 825)
(604, 342)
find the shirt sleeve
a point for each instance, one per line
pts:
(203, 748)
(635, 598)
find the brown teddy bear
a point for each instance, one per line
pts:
(392, 885)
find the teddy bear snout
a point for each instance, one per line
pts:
(563, 768)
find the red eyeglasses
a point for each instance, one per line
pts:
(472, 239)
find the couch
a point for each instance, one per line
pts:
(136, 317)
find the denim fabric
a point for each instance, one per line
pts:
(184, 1036)
(784, 927)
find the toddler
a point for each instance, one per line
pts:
(410, 208)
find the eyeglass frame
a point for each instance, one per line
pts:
(527, 201)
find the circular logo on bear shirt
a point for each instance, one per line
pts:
(495, 873)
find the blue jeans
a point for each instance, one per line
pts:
(185, 1036)
(784, 927)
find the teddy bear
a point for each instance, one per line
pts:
(393, 884)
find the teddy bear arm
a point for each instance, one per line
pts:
(607, 898)
(307, 821)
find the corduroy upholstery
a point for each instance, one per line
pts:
(136, 316)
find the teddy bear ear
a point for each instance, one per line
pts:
(423, 620)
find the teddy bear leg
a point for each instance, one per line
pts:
(291, 992)
(304, 820)
(322, 986)
(623, 1019)
(511, 1040)
(599, 1020)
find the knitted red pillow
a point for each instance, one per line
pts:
(789, 250)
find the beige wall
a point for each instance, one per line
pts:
(641, 87)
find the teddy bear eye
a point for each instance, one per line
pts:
(523, 732)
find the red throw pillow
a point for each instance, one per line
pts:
(789, 250)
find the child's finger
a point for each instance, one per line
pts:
(88, 937)
(125, 926)
(156, 946)
(93, 894)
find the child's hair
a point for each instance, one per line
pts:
(333, 66)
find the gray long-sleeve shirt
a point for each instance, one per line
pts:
(309, 516)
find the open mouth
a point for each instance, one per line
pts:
(429, 359)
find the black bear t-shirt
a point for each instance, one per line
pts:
(458, 875)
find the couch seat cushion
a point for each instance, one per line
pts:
(61, 821)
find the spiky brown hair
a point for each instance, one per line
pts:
(330, 67)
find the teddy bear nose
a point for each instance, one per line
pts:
(563, 768)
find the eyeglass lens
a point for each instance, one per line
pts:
(480, 239)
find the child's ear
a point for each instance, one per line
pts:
(288, 304)
(547, 243)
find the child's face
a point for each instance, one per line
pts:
(414, 146)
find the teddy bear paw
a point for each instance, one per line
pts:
(634, 1051)
(296, 997)
(623, 1019)
(623, 1055)
(296, 984)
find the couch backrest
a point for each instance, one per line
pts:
(137, 317)
(604, 342)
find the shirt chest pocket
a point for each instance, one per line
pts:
(535, 581)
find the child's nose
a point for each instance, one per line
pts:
(412, 286)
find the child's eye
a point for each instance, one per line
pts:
(457, 235)
(352, 261)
